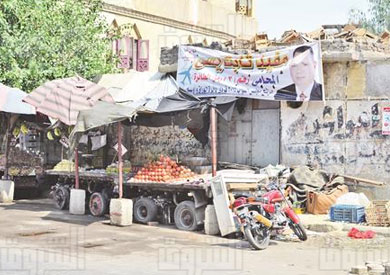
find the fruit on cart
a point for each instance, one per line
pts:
(21, 158)
(113, 168)
(163, 170)
(64, 165)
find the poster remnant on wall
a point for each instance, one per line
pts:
(386, 121)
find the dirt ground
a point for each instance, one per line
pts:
(36, 238)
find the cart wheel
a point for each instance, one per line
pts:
(145, 210)
(185, 217)
(98, 204)
(61, 198)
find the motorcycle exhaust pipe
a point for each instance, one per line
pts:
(263, 220)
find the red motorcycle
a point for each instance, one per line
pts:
(269, 213)
(280, 212)
(254, 225)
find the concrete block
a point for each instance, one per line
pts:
(211, 223)
(77, 202)
(356, 84)
(7, 188)
(121, 212)
(335, 78)
(377, 79)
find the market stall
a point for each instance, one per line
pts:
(11, 108)
(164, 190)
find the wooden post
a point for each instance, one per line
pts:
(10, 120)
(120, 161)
(76, 168)
(213, 126)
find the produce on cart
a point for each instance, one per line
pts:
(23, 168)
(113, 168)
(65, 165)
(163, 170)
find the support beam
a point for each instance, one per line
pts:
(120, 160)
(213, 126)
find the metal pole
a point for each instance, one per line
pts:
(213, 125)
(7, 141)
(76, 168)
(120, 161)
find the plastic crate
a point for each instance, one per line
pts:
(347, 213)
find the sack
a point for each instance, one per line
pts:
(320, 202)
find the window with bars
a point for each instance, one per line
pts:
(244, 7)
(132, 53)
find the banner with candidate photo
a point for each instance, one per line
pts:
(292, 73)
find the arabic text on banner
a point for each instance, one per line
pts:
(292, 73)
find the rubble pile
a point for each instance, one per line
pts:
(347, 39)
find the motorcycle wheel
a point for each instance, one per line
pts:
(257, 241)
(61, 197)
(299, 230)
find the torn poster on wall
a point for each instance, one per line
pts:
(386, 121)
(292, 73)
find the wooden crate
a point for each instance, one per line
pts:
(378, 213)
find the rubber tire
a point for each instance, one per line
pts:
(151, 210)
(62, 204)
(100, 198)
(299, 230)
(188, 208)
(256, 245)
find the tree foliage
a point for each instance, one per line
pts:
(48, 39)
(377, 19)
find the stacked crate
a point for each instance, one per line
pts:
(378, 213)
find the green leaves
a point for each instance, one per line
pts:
(42, 40)
(377, 19)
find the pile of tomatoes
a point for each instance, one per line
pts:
(163, 170)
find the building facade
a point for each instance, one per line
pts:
(166, 23)
(342, 135)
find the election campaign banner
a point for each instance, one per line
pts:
(291, 73)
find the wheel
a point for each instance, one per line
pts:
(259, 239)
(61, 197)
(299, 230)
(145, 210)
(98, 204)
(185, 216)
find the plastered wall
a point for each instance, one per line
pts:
(344, 134)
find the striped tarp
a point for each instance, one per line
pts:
(11, 101)
(63, 99)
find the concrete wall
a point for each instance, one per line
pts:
(210, 20)
(344, 134)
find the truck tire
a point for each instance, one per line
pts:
(185, 216)
(98, 204)
(61, 198)
(145, 210)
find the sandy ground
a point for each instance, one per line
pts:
(36, 238)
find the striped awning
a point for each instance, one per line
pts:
(11, 101)
(63, 99)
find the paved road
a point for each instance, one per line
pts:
(35, 238)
